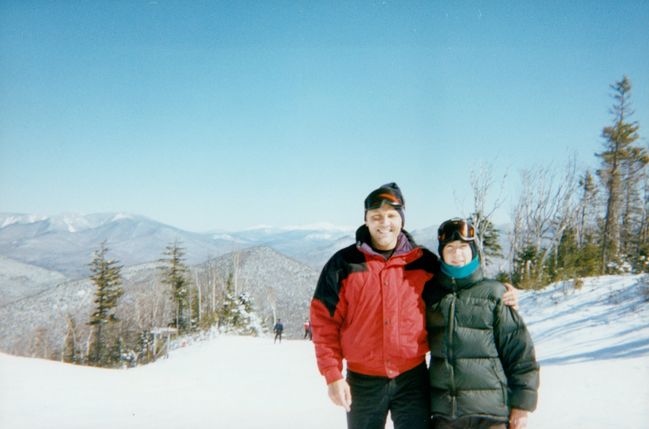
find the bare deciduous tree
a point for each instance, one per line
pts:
(546, 208)
(482, 182)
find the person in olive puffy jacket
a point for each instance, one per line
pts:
(483, 371)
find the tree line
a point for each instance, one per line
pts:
(187, 307)
(576, 224)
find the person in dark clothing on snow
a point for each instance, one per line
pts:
(483, 372)
(368, 310)
(278, 329)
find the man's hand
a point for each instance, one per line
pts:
(517, 419)
(510, 297)
(340, 394)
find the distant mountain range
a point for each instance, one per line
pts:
(66, 243)
(44, 267)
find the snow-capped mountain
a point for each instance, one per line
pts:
(310, 244)
(66, 243)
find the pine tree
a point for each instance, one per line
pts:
(70, 354)
(587, 207)
(228, 316)
(106, 275)
(237, 314)
(616, 157)
(633, 205)
(174, 274)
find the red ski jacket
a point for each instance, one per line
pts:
(369, 310)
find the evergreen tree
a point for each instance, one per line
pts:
(237, 314)
(633, 206)
(106, 275)
(587, 208)
(574, 259)
(174, 274)
(70, 354)
(616, 158)
(642, 262)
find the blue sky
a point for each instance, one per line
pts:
(223, 115)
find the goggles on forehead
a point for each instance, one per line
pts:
(378, 197)
(456, 229)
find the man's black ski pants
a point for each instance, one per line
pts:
(405, 397)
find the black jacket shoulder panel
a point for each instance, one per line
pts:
(338, 268)
(427, 262)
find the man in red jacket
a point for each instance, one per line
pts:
(367, 309)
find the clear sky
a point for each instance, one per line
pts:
(223, 115)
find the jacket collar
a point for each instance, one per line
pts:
(452, 283)
(405, 242)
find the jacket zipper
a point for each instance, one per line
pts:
(451, 357)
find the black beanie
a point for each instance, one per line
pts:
(389, 193)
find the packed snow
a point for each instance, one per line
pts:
(593, 344)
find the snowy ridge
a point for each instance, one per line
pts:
(65, 242)
(19, 280)
(7, 219)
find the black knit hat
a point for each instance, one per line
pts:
(389, 193)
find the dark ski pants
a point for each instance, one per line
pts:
(467, 423)
(405, 397)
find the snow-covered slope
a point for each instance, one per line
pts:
(19, 280)
(587, 382)
(280, 287)
(607, 318)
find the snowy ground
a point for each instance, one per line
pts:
(593, 344)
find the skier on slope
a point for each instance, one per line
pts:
(278, 329)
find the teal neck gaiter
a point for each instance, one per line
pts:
(460, 272)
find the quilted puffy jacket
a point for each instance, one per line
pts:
(482, 356)
(369, 310)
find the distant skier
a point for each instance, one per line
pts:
(278, 329)
(307, 329)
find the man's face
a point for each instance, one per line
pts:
(384, 224)
(457, 253)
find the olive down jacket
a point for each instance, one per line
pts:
(482, 356)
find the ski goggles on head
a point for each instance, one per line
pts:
(380, 196)
(456, 229)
